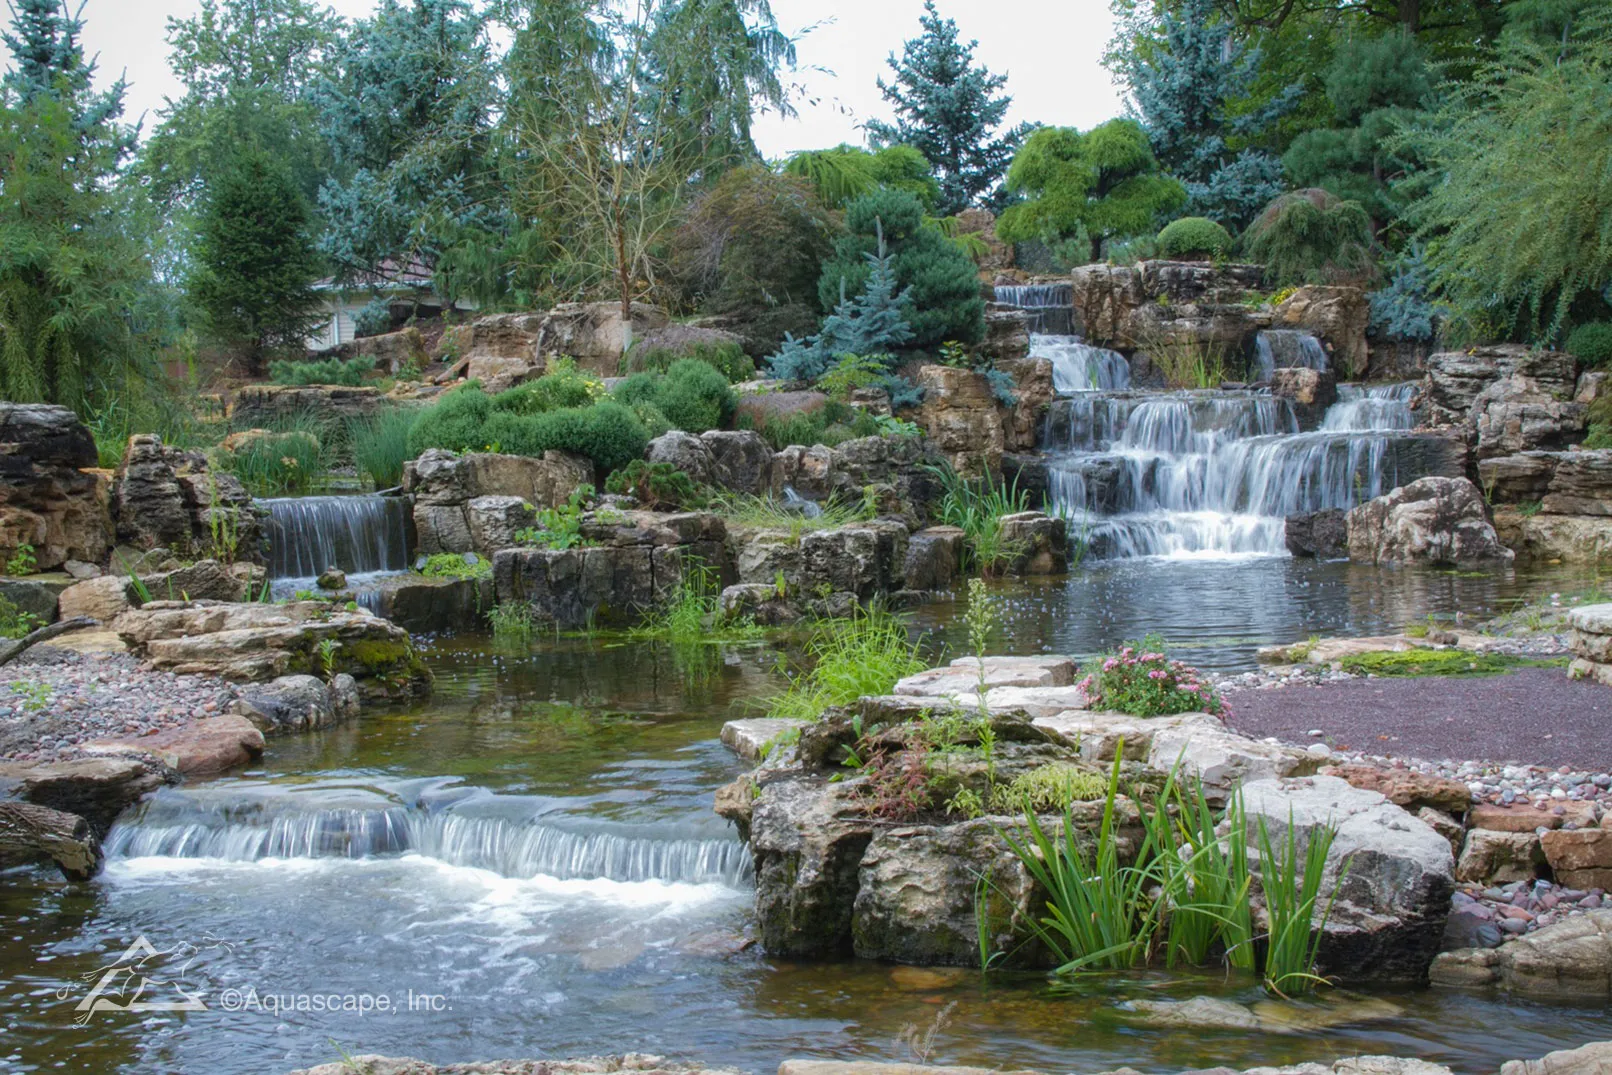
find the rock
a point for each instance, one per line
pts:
(1429, 521)
(96, 789)
(298, 703)
(1569, 539)
(201, 748)
(847, 560)
(1511, 479)
(101, 599)
(595, 333)
(1570, 959)
(755, 738)
(1039, 543)
(1455, 379)
(257, 642)
(1497, 858)
(49, 498)
(395, 352)
(205, 580)
(1519, 817)
(633, 1063)
(425, 605)
(32, 834)
(1388, 918)
(934, 558)
(962, 677)
(78, 570)
(273, 405)
(1337, 315)
(332, 578)
(686, 452)
(38, 596)
(1581, 858)
(1565, 483)
(741, 461)
(1310, 392)
(475, 502)
(1590, 632)
(1323, 534)
(499, 350)
(1203, 1013)
(760, 602)
(1265, 1016)
(1592, 1059)
(169, 498)
(1518, 414)
(808, 839)
(1177, 302)
(1036, 701)
(1469, 926)
(1407, 787)
(1032, 388)
(961, 419)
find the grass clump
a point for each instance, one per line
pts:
(514, 624)
(865, 654)
(830, 425)
(380, 446)
(330, 371)
(288, 462)
(1141, 680)
(454, 565)
(692, 612)
(977, 508)
(768, 513)
(1291, 882)
(1439, 662)
(1049, 789)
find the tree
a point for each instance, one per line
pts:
(1105, 182)
(406, 113)
(1311, 236)
(255, 260)
(949, 110)
(937, 277)
(845, 173)
(876, 322)
(1517, 197)
(1191, 85)
(1374, 85)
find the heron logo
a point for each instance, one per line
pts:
(140, 980)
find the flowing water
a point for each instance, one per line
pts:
(1048, 308)
(365, 536)
(1081, 367)
(1286, 348)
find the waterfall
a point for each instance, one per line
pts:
(1081, 367)
(358, 534)
(174, 825)
(1286, 348)
(1377, 406)
(1049, 309)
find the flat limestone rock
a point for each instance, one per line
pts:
(1592, 1059)
(753, 738)
(962, 677)
(200, 748)
(637, 1063)
(1570, 959)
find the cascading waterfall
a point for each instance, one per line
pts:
(1213, 473)
(1377, 406)
(1081, 367)
(1286, 348)
(364, 536)
(1049, 309)
(176, 826)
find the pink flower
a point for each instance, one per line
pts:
(1110, 664)
(1156, 674)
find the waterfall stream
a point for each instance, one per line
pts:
(1286, 348)
(1049, 309)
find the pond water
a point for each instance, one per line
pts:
(534, 852)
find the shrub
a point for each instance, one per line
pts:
(852, 372)
(1140, 680)
(560, 388)
(1311, 236)
(465, 420)
(374, 319)
(727, 359)
(348, 372)
(657, 486)
(559, 527)
(692, 395)
(380, 445)
(455, 565)
(1403, 309)
(1196, 237)
(14, 622)
(1591, 344)
(457, 421)
(832, 424)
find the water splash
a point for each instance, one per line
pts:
(1286, 348)
(358, 534)
(1366, 407)
(1081, 367)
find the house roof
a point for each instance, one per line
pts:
(390, 273)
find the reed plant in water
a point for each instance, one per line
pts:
(977, 509)
(380, 445)
(1290, 878)
(848, 658)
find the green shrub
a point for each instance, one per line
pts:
(380, 445)
(653, 419)
(657, 486)
(562, 386)
(728, 359)
(692, 395)
(348, 372)
(830, 425)
(1194, 236)
(1591, 343)
(374, 319)
(1600, 417)
(559, 527)
(14, 622)
(1311, 236)
(465, 420)
(455, 422)
(1140, 680)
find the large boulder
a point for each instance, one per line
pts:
(473, 502)
(1518, 414)
(499, 350)
(1033, 393)
(257, 642)
(807, 838)
(1038, 543)
(1570, 960)
(1543, 537)
(96, 789)
(1176, 302)
(1455, 379)
(50, 498)
(1322, 534)
(298, 703)
(1390, 875)
(1430, 521)
(425, 604)
(595, 333)
(1592, 1059)
(741, 461)
(684, 451)
(1310, 392)
(1576, 482)
(1338, 316)
(164, 497)
(961, 419)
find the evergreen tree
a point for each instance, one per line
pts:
(949, 109)
(1192, 87)
(845, 173)
(1105, 182)
(937, 276)
(255, 260)
(47, 59)
(1374, 85)
(873, 323)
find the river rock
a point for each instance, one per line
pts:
(1430, 521)
(760, 602)
(205, 580)
(1322, 534)
(101, 599)
(1592, 1059)
(1388, 918)
(754, 738)
(257, 642)
(1569, 959)
(206, 747)
(634, 1063)
(1579, 858)
(425, 605)
(298, 703)
(1310, 392)
(962, 678)
(96, 789)
(49, 498)
(1590, 638)
(1407, 787)
(741, 461)
(685, 452)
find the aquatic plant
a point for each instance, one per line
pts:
(691, 615)
(1139, 679)
(514, 623)
(848, 658)
(1204, 878)
(380, 446)
(977, 508)
(1290, 882)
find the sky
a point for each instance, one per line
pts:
(1049, 49)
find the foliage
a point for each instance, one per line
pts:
(693, 395)
(866, 654)
(22, 561)
(1141, 680)
(559, 527)
(1520, 187)
(1204, 877)
(1192, 83)
(1185, 361)
(380, 445)
(1436, 662)
(935, 281)
(691, 615)
(1291, 880)
(455, 565)
(657, 486)
(1591, 343)
(324, 371)
(949, 109)
(845, 173)
(1311, 236)
(727, 359)
(851, 372)
(1104, 183)
(562, 385)
(514, 624)
(831, 425)
(1048, 789)
(1402, 309)
(767, 513)
(255, 261)
(15, 623)
(1194, 236)
(287, 463)
(875, 322)
(977, 508)
(468, 420)
(374, 319)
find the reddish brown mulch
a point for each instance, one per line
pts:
(1535, 716)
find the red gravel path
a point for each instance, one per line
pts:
(1535, 716)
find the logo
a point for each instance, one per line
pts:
(138, 981)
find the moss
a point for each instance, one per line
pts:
(1440, 662)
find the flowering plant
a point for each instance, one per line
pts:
(1140, 680)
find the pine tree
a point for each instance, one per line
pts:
(48, 60)
(1105, 182)
(873, 323)
(1190, 82)
(949, 110)
(256, 261)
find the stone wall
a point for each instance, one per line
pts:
(272, 404)
(961, 419)
(1127, 307)
(476, 502)
(51, 497)
(170, 498)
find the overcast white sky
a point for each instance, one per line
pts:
(1048, 48)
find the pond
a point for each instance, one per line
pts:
(532, 857)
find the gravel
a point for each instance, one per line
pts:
(52, 700)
